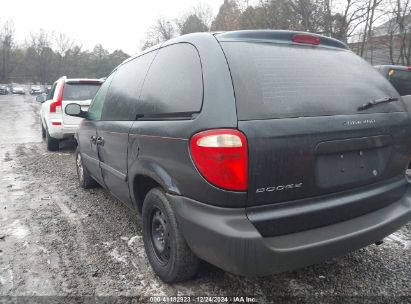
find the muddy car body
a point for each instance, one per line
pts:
(252, 150)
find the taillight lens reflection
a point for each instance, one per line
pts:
(221, 156)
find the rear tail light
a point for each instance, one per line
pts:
(221, 156)
(307, 39)
(55, 106)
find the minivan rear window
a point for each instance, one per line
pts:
(401, 80)
(280, 80)
(80, 91)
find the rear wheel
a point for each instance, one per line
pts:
(168, 253)
(52, 143)
(84, 178)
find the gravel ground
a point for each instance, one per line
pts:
(57, 239)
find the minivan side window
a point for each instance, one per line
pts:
(125, 89)
(174, 83)
(94, 112)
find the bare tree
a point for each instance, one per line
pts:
(40, 40)
(366, 43)
(203, 12)
(63, 43)
(40, 56)
(328, 18)
(307, 12)
(161, 31)
(348, 16)
(197, 19)
(395, 33)
(7, 42)
(401, 13)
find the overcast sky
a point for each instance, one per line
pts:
(116, 24)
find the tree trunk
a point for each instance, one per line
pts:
(365, 36)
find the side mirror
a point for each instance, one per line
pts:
(41, 98)
(74, 109)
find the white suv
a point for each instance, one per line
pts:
(56, 125)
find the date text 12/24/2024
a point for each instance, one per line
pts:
(202, 299)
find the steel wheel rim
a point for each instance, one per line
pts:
(160, 236)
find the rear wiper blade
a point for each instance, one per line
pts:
(375, 102)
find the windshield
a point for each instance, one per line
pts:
(276, 81)
(401, 80)
(80, 91)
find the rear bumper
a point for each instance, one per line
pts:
(226, 238)
(306, 214)
(62, 131)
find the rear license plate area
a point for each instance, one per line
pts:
(344, 168)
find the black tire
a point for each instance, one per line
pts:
(176, 262)
(43, 131)
(52, 143)
(84, 178)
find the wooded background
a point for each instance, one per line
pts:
(378, 30)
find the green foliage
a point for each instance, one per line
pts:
(227, 17)
(193, 24)
(253, 18)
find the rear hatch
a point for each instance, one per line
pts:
(80, 92)
(298, 105)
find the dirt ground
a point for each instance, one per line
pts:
(57, 239)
